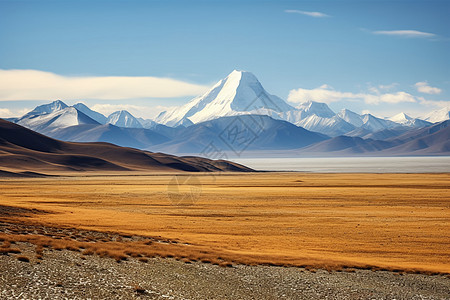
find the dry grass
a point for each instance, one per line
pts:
(329, 221)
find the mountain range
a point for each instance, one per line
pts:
(24, 152)
(238, 114)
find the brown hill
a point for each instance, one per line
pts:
(23, 150)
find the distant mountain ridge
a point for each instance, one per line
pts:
(248, 133)
(241, 93)
(239, 96)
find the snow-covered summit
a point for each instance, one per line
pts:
(350, 117)
(400, 118)
(405, 120)
(66, 117)
(123, 118)
(46, 109)
(90, 113)
(440, 115)
(316, 108)
(239, 93)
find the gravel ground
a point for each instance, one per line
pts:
(69, 275)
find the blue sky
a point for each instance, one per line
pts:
(380, 56)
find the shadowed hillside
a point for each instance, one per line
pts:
(23, 150)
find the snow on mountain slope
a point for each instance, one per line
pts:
(122, 118)
(90, 113)
(406, 120)
(373, 123)
(316, 108)
(66, 117)
(45, 109)
(239, 93)
(438, 115)
(333, 126)
(351, 117)
(147, 123)
(306, 110)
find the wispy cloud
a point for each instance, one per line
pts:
(385, 87)
(434, 103)
(6, 113)
(405, 33)
(423, 87)
(9, 113)
(314, 14)
(40, 85)
(326, 94)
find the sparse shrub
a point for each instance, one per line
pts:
(72, 248)
(39, 250)
(6, 244)
(23, 258)
(87, 252)
(6, 251)
(226, 264)
(139, 289)
(186, 260)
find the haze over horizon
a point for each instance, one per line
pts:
(377, 57)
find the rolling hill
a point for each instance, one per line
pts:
(23, 150)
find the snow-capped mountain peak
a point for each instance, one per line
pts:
(400, 118)
(440, 115)
(405, 120)
(351, 117)
(90, 113)
(46, 109)
(239, 93)
(316, 108)
(373, 123)
(123, 118)
(66, 117)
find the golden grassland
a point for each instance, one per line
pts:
(333, 221)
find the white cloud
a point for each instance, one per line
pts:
(314, 14)
(325, 94)
(146, 112)
(321, 94)
(398, 97)
(405, 33)
(40, 85)
(9, 113)
(435, 103)
(423, 87)
(6, 113)
(387, 86)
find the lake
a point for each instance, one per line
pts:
(418, 164)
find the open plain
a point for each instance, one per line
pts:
(398, 222)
